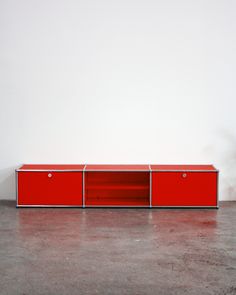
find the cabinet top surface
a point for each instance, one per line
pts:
(106, 167)
(117, 168)
(52, 167)
(183, 168)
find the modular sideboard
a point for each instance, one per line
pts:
(148, 186)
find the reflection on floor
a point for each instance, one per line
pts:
(117, 251)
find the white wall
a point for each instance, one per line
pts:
(128, 81)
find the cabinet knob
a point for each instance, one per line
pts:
(184, 175)
(49, 175)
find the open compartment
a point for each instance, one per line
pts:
(103, 188)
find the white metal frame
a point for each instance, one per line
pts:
(16, 180)
(83, 193)
(150, 186)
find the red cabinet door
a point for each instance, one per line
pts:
(184, 189)
(50, 188)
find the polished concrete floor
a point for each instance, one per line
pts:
(117, 251)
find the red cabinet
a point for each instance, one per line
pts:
(184, 189)
(117, 185)
(49, 188)
(184, 186)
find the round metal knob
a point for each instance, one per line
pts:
(49, 175)
(184, 175)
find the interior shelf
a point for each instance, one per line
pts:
(118, 187)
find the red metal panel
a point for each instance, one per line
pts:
(50, 188)
(117, 188)
(117, 167)
(52, 167)
(184, 189)
(183, 167)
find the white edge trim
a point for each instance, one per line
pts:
(48, 170)
(16, 183)
(115, 206)
(83, 193)
(150, 186)
(217, 190)
(51, 206)
(120, 170)
(166, 207)
(185, 170)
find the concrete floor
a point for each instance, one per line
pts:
(117, 251)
